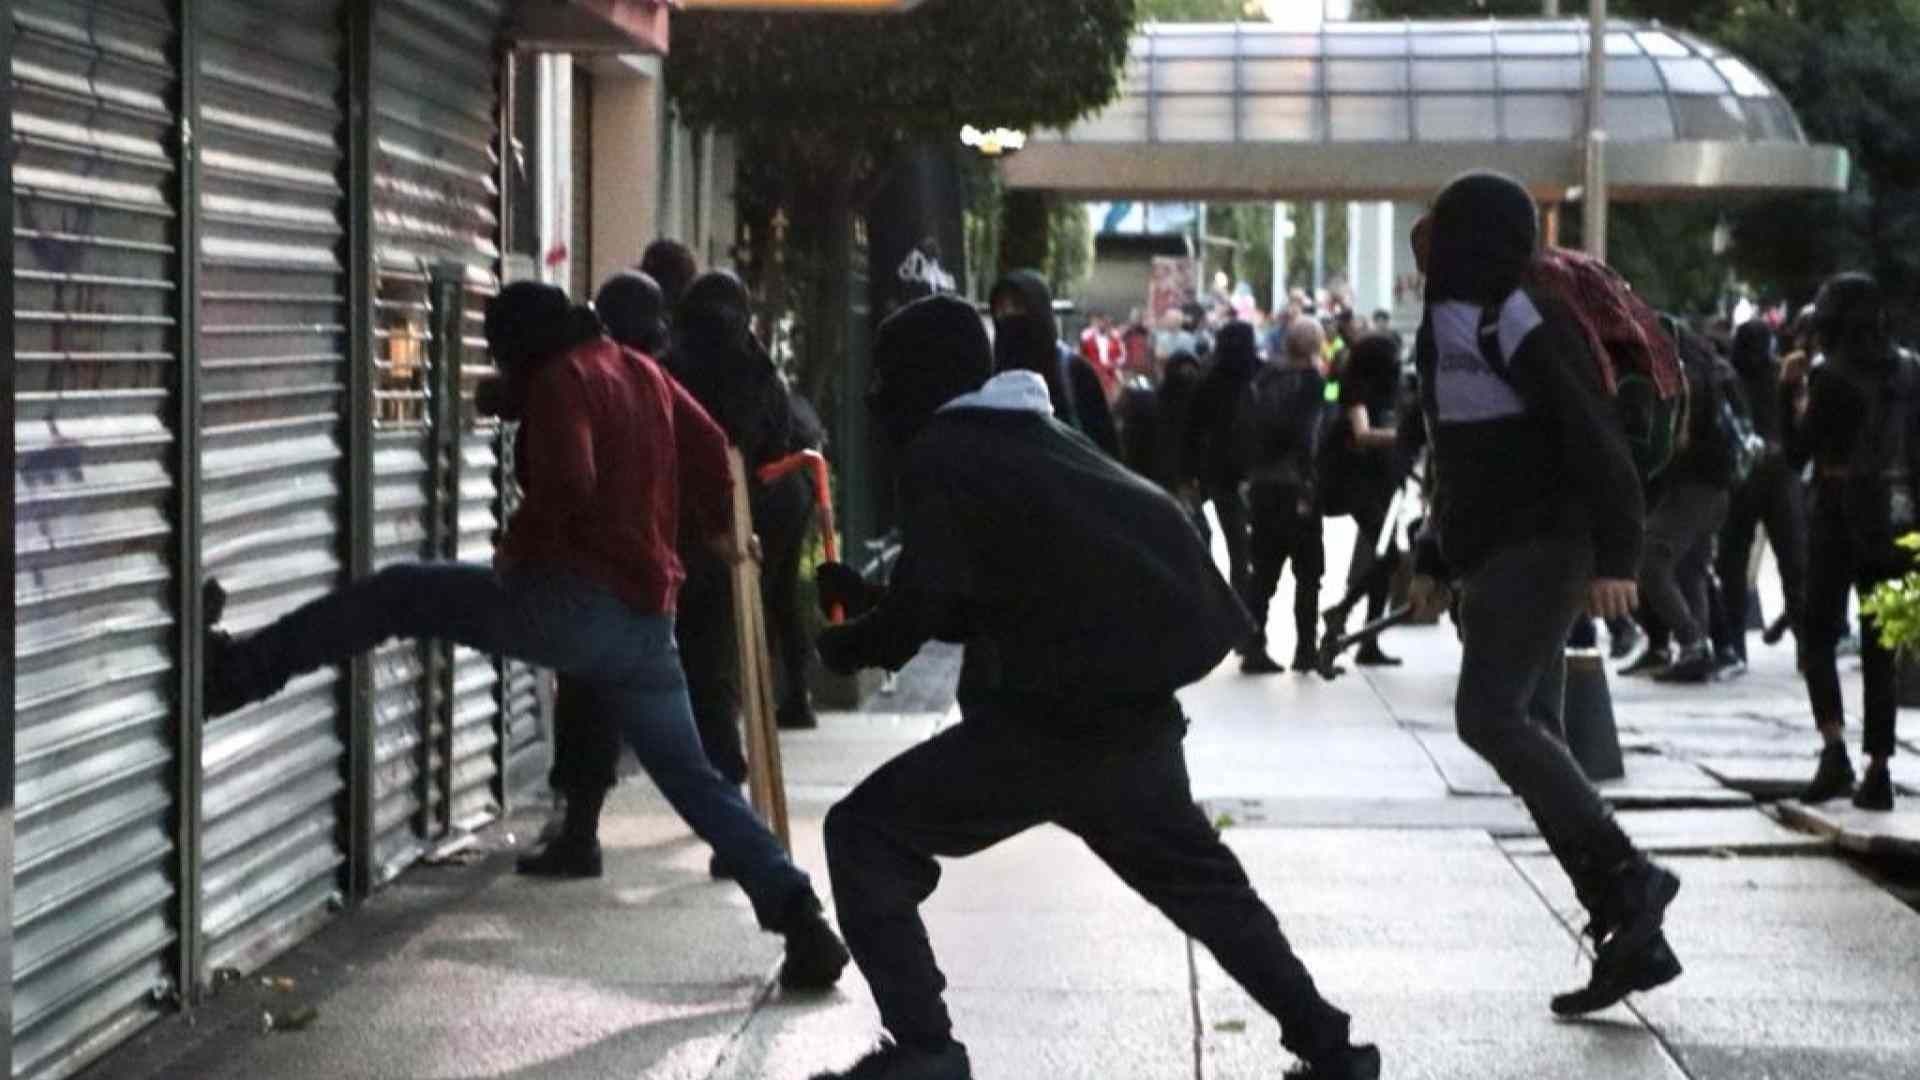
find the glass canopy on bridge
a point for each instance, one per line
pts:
(1394, 108)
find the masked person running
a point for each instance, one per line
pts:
(1061, 571)
(1538, 512)
(585, 583)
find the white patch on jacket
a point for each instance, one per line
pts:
(1009, 391)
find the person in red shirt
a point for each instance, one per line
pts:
(585, 582)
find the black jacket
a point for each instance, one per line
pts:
(1530, 450)
(1031, 342)
(1070, 579)
(1209, 439)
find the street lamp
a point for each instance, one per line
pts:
(995, 143)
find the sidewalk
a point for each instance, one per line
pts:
(1415, 889)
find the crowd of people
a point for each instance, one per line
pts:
(1052, 509)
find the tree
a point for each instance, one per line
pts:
(1200, 10)
(820, 104)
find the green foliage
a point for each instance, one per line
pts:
(1199, 10)
(1069, 245)
(1895, 605)
(1250, 226)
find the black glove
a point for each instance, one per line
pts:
(839, 651)
(836, 583)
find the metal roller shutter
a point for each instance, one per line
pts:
(436, 199)
(96, 291)
(273, 342)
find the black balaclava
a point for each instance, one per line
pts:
(1850, 321)
(1029, 341)
(716, 312)
(528, 324)
(1234, 350)
(632, 306)
(1486, 231)
(1753, 348)
(925, 355)
(672, 265)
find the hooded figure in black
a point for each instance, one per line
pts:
(1209, 441)
(1026, 336)
(1060, 570)
(718, 359)
(1856, 418)
(1772, 496)
(1538, 510)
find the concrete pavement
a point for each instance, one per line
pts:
(1413, 886)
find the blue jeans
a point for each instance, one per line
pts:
(556, 620)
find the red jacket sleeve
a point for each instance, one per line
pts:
(557, 439)
(706, 484)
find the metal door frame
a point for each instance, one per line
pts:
(9, 559)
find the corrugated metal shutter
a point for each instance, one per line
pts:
(436, 198)
(273, 341)
(94, 176)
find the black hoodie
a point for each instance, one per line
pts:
(1031, 342)
(1209, 437)
(1753, 357)
(1530, 450)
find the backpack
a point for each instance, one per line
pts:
(1636, 354)
(1735, 423)
(1276, 425)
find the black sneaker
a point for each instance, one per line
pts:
(892, 1061)
(1257, 662)
(1305, 659)
(562, 858)
(1651, 661)
(1353, 1063)
(815, 955)
(1615, 976)
(1371, 656)
(1833, 778)
(1728, 667)
(1876, 790)
(1694, 665)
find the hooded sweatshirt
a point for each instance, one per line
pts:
(1758, 366)
(1031, 342)
(1531, 450)
(1070, 579)
(1210, 422)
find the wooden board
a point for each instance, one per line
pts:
(766, 782)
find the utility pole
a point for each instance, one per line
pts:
(1550, 8)
(1595, 203)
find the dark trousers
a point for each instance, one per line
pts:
(1836, 566)
(1285, 528)
(1515, 614)
(1370, 575)
(1232, 512)
(586, 741)
(1126, 797)
(1683, 523)
(1773, 497)
(711, 654)
(783, 517)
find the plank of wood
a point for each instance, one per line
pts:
(766, 782)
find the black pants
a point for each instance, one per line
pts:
(1773, 497)
(1680, 529)
(783, 517)
(1232, 511)
(586, 741)
(1128, 798)
(1836, 565)
(1370, 575)
(1516, 612)
(1285, 528)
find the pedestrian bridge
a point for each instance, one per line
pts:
(1393, 110)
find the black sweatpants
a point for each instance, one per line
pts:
(1774, 497)
(710, 654)
(1370, 575)
(1122, 790)
(1285, 528)
(586, 741)
(1681, 529)
(1835, 567)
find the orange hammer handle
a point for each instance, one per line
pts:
(815, 463)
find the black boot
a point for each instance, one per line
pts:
(1255, 661)
(1370, 655)
(1876, 789)
(1693, 665)
(815, 954)
(900, 1061)
(1627, 920)
(1305, 659)
(796, 715)
(575, 852)
(1351, 1063)
(1652, 661)
(1652, 967)
(1833, 778)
